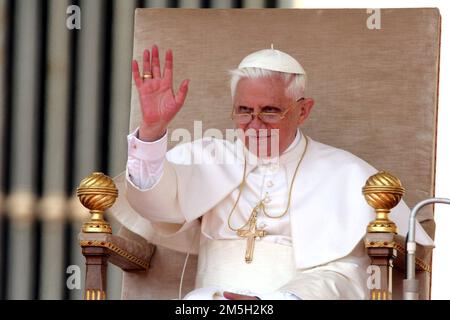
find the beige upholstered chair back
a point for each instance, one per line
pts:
(375, 89)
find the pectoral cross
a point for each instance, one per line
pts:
(251, 234)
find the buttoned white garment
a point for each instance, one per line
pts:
(267, 182)
(328, 218)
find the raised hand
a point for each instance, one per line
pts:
(159, 104)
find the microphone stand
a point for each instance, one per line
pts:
(411, 284)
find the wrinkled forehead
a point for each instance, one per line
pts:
(261, 90)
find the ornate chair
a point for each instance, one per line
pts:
(374, 77)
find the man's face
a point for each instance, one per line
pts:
(268, 95)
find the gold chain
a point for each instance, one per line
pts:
(261, 205)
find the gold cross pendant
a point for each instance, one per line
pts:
(251, 234)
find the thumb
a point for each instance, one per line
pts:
(182, 93)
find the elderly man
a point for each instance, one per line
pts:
(286, 226)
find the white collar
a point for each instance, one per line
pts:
(291, 153)
(295, 142)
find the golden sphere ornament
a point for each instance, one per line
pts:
(97, 193)
(383, 191)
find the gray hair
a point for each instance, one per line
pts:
(294, 83)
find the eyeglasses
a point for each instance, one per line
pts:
(266, 117)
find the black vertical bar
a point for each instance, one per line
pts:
(270, 3)
(70, 146)
(237, 4)
(205, 4)
(105, 86)
(7, 143)
(173, 4)
(41, 51)
(71, 115)
(67, 257)
(4, 238)
(36, 258)
(9, 61)
(140, 4)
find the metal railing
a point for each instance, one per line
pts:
(63, 114)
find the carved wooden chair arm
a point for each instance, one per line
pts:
(101, 248)
(97, 192)
(129, 255)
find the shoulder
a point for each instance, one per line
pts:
(337, 159)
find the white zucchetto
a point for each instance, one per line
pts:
(271, 59)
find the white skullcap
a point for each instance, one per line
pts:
(271, 59)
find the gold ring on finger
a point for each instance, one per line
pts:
(147, 76)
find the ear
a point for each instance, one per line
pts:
(305, 108)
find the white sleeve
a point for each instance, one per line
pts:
(145, 161)
(345, 279)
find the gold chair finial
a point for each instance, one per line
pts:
(97, 193)
(383, 191)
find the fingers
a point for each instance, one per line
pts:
(234, 296)
(136, 74)
(155, 68)
(229, 295)
(182, 92)
(146, 62)
(168, 68)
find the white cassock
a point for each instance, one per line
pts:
(182, 200)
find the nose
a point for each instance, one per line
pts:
(256, 124)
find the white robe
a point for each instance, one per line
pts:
(328, 215)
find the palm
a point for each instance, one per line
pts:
(158, 102)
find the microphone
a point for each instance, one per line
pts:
(411, 284)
